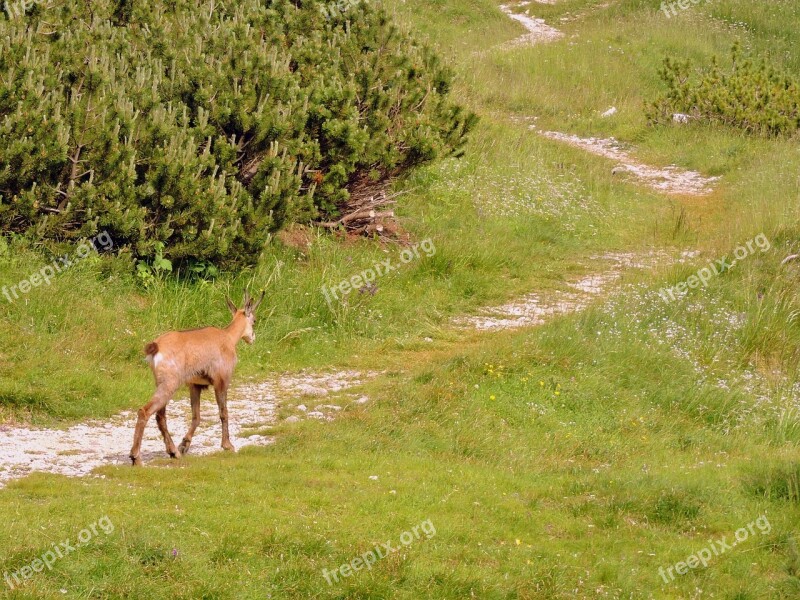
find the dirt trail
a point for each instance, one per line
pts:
(670, 180)
(81, 448)
(538, 30)
(535, 309)
(78, 450)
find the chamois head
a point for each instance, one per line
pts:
(248, 313)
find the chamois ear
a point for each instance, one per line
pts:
(257, 303)
(231, 305)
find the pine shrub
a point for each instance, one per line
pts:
(753, 96)
(203, 127)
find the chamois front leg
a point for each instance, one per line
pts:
(221, 392)
(161, 420)
(159, 400)
(194, 395)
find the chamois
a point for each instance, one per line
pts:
(198, 358)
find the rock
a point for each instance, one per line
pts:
(292, 419)
(610, 112)
(680, 118)
(315, 414)
(362, 400)
(302, 407)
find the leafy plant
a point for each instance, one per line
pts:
(149, 273)
(203, 270)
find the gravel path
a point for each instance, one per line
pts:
(670, 180)
(534, 309)
(538, 31)
(78, 450)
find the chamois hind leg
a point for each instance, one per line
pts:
(161, 420)
(159, 400)
(194, 394)
(221, 392)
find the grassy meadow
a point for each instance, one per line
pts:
(570, 460)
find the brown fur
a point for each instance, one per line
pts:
(198, 358)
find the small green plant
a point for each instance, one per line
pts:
(753, 96)
(203, 271)
(149, 273)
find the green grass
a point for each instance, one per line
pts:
(571, 460)
(568, 438)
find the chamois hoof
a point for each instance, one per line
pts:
(137, 461)
(175, 454)
(184, 447)
(228, 447)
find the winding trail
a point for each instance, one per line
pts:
(669, 180)
(536, 308)
(81, 448)
(253, 407)
(538, 31)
